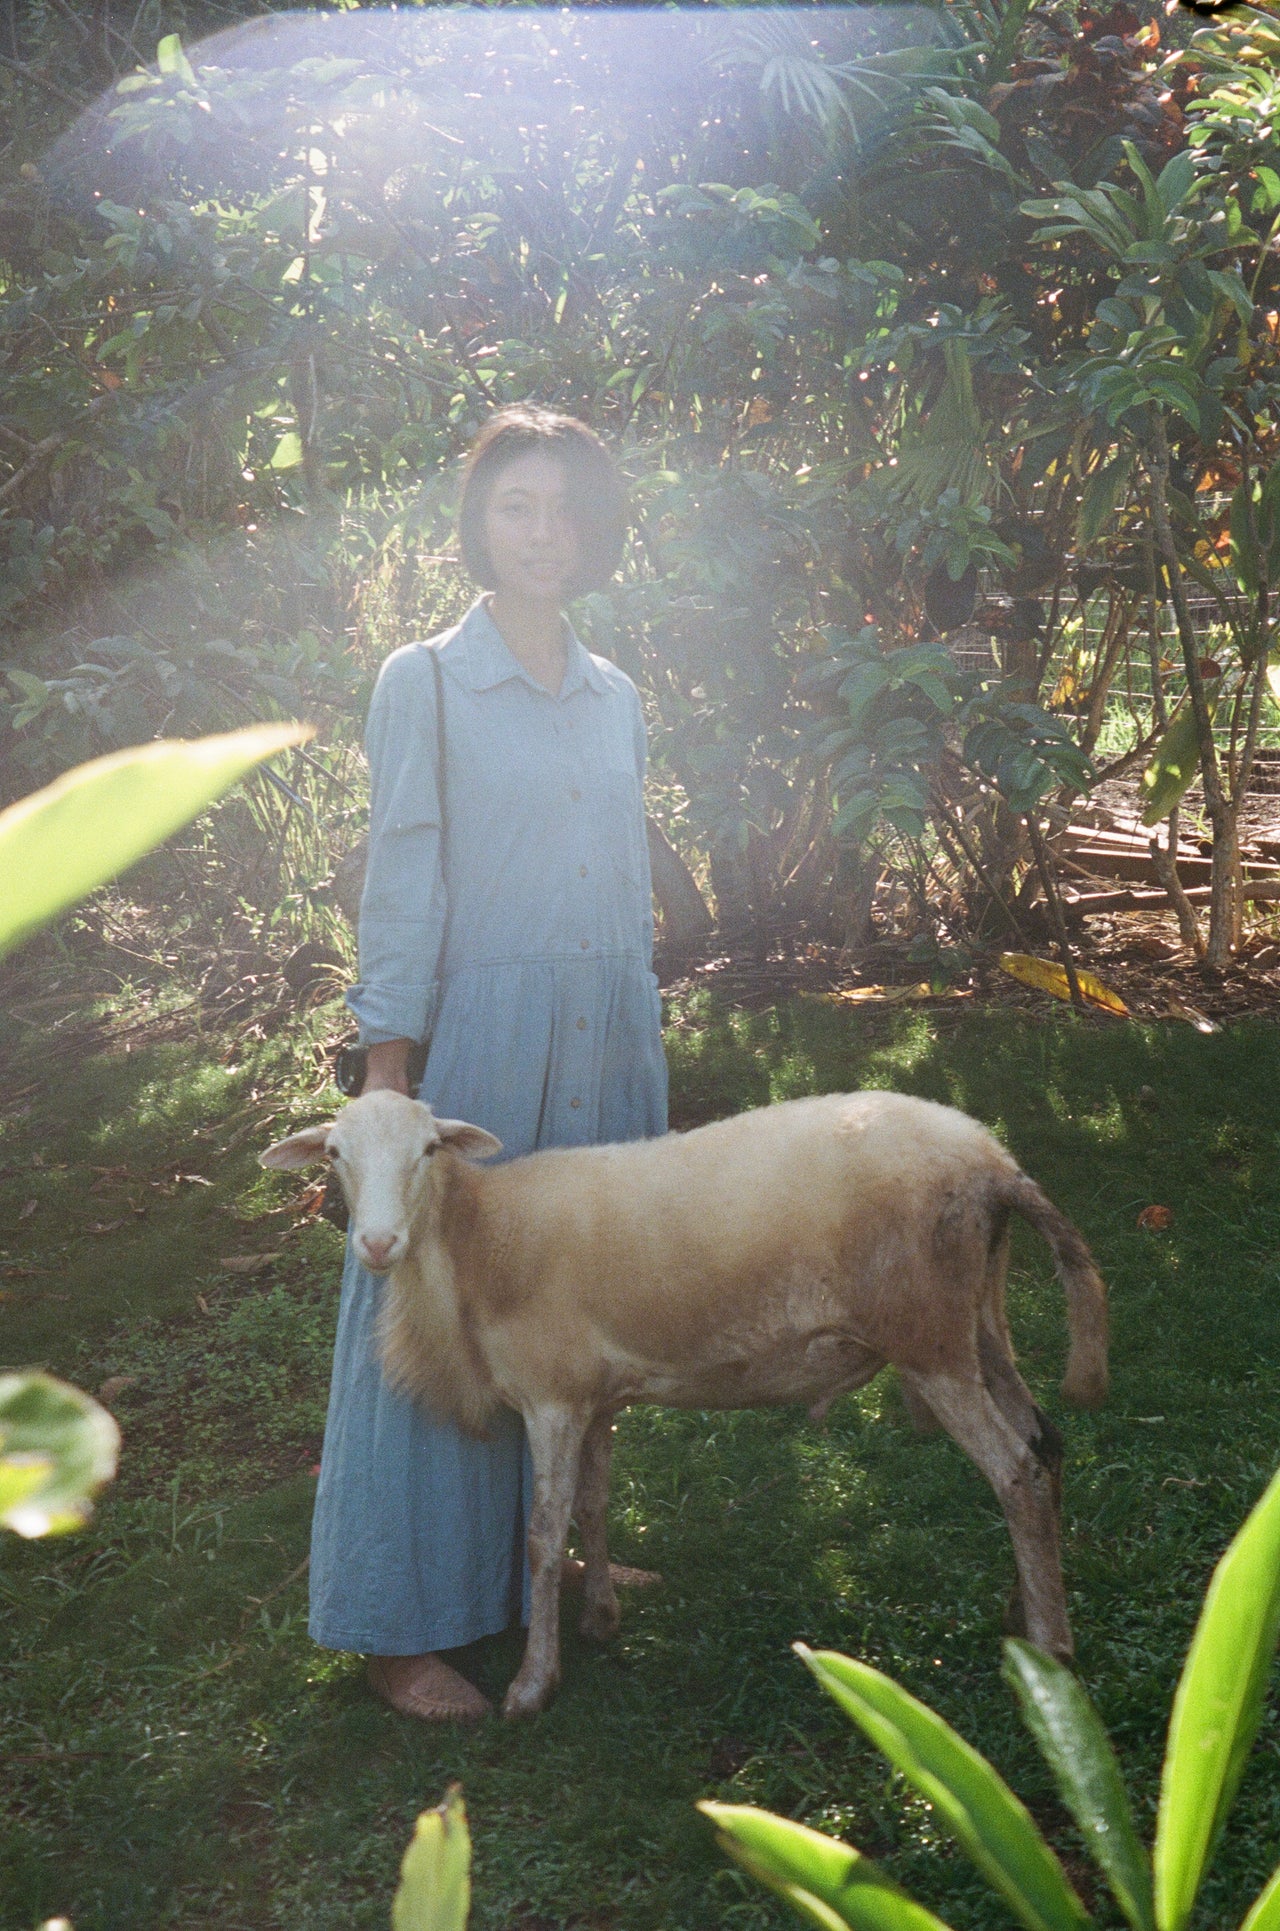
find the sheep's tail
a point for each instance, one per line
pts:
(1085, 1382)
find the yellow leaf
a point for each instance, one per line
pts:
(867, 995)
(1046, 976)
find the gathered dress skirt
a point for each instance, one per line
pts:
(419, 1535)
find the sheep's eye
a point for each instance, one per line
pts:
(428, 1151)
(334, 1153)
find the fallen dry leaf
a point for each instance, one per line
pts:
(108, 1177)
(1047, 976)
(27, 1208)
(1201, 1021)
(202, 1304)
(1156, 1219)
(103, 1226)
(245, 1263)
(887, 995)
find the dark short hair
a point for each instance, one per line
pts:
(594, 490)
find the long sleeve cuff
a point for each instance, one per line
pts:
(393, 1011)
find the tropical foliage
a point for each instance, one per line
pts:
(901, 320)
(1216, 1711)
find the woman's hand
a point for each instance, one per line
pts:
(388, 1067)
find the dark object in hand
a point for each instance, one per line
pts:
(350, 1070)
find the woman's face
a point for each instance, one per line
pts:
(529, 531)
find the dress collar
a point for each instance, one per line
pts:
(485, 661)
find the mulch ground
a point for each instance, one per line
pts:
(68, 991)
(1138, 955)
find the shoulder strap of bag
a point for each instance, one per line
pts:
(442, 789)
(441, 794)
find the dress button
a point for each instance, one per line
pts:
(575, 1103)
(585, 944)
(582, 1025)
(582, 871)
(575, 794)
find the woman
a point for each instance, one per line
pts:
(507, 916)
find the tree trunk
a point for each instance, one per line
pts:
(1111, 649)
(686, 918)
(1225, 897)
(1164, 865)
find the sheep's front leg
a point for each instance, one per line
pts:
(555, 1445)
(600, 1612)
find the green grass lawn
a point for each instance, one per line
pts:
(179, 1754)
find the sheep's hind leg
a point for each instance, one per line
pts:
(919, 1413)
(555, 1445)
(600, 1613)
(1015, 1400)
(1026, 1487)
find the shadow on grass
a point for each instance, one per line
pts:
(183, 1755)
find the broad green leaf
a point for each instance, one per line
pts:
(1102, 494)
(829, 1882)
(970, 1798)
(1269, 521)
(57, 1448)
(1217, 1708)
(1268, 188)
(1174, 762)
(288, 451)
(92, 822)
(1177, 178)
(1078, 1750)
(1230, 284)
(1265, 1912)
(1244, 543)
(434, 1893)
(171, 59)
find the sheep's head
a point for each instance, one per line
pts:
(381, 1147)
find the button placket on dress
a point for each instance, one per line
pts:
(419, 1532)
(578, 1054)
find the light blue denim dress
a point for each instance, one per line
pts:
(524, 949)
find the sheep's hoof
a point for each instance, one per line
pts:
(600, 1620)
(526, 1699)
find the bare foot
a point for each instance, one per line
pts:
(426, 1687)
(572, 1569)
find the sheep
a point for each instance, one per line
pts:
(784, 1255)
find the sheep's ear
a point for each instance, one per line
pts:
(470, 1141)
(299, 1150)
